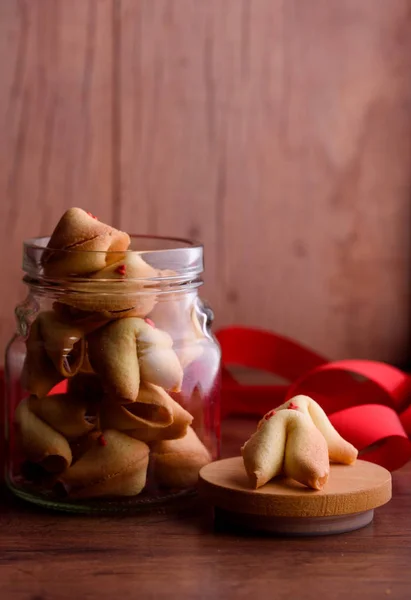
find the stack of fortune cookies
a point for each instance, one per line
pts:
(117, 415)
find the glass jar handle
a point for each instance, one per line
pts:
(209, 314)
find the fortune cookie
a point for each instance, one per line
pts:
(123, 288)
(81, 244)
(114, 465)
(65, 414)
(83, 444)
(179, 316)
(287, 442)
(63, 343)
(39, 375)
(154, 416)
(40, 442)
(339, 450)
(87, 321)
(128, 351)
(176, 463)
(55, 350)
(192, 345)
(131, 266)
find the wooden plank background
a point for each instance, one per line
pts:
(278, 132)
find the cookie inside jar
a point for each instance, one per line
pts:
(116, 388)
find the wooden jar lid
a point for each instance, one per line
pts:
(289, 507)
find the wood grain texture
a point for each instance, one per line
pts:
(350, 489)
(279, 134)
(55, 115)
(179, 555)
(276, 132)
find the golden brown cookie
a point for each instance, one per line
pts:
(286, 442)
(339, 450)
(39, 375)
(40, 442)
(55, 351)
(128, 351)
(114, 465)
(81, 244)
(154, 416)
(176, 463)
(177, 315)
(85, 320)
(63, 413)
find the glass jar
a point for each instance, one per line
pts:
(112, 380)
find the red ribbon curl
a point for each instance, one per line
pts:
(368, 402)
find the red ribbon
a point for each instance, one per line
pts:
(368, 402)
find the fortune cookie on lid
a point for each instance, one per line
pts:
(154, 416)
(63, 413)
(287, 442)
(114, 465)
(40, 442)
(176, 463)
(128, 351)
(339, 450)
(80, 243)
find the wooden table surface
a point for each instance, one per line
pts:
(177, 554)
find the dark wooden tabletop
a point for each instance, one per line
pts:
(178, 554)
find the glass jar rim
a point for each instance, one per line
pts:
(182, 256)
